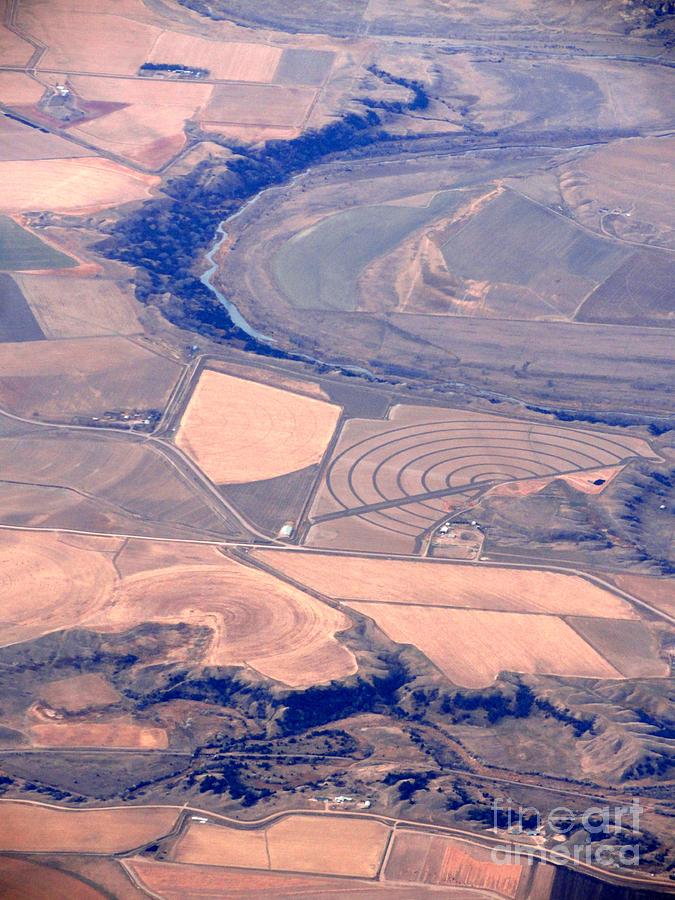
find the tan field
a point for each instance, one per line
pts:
(79, 693)
(47, 584)
(149, 130)
(86, 37)
(239, 431)
(632, 175)
(25, 827)
(70, 185)
(438, 860)
(18, 89)
(218, 845)
(472, 647)
(24, 880)
(60, 379)
(334, 846)
(13, 50)
(231, 61)
(117, 733)
(321, 845)
(256, 620)
(258, 104)
(175, 881)
(398, 581)
(73, 307)
(659, 592)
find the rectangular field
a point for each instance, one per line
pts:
(327, 845)
(472, 647)
(26, 827)
(432, 859)
(304, 66)
(79, 307)
(258, 104)
(629, 646)
(120, 734)
(88, 377)
(443, 584)
(21, 249)
(218, 845)
(228, 60)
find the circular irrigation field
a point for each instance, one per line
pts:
(417, 463)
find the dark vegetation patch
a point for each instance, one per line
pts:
(17, 322)
(165, 238)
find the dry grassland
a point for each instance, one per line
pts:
(70, 185)
(79, 693)
(117, 733)
(472, 647)
(82, 377)
(231, 61)
(216, 845)
(150, 129)
(73, 307)
(239, 431)
(25, 827)
(636, 175)
(437, 860)
(398, 581)
(331, 846)
(24, 880)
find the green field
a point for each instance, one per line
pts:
(319, 267)
(21, 251)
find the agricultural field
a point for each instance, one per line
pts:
(17, 322)
(254, 619)
(26, 826)
(310, 844)
(437, 584)
(472, 647)
(336, 447)
(396, 476)
(421, 858)
(74, 307)
(240, 431)
(93, 376)
(78, 186)
(21, 249)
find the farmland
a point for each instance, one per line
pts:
(94, 376)
(26, 827)
(242, 431)
(437, 584)
(336, 448)
(21, 249)
(296, 843)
